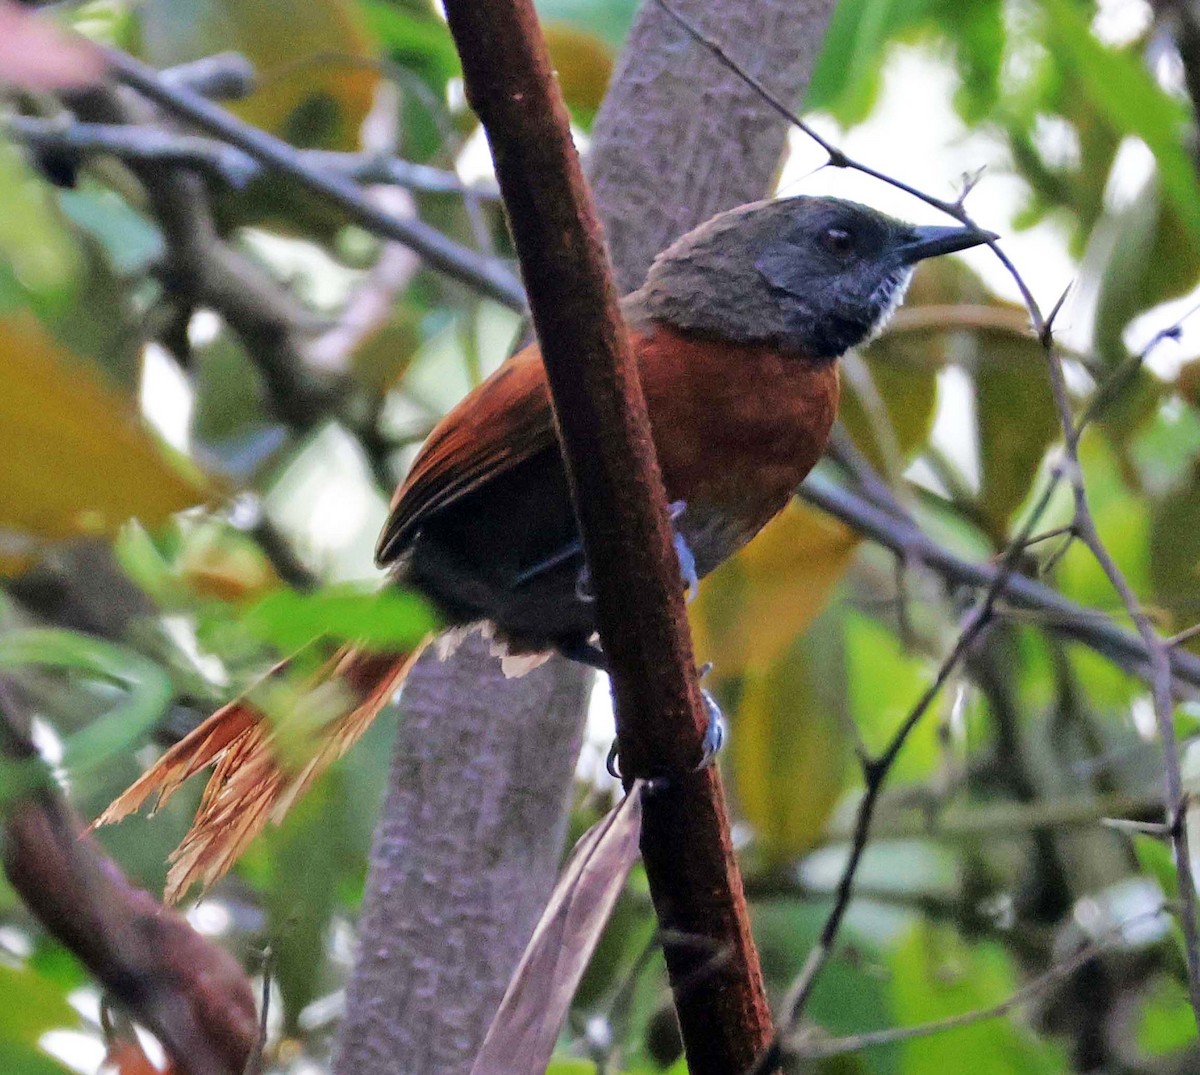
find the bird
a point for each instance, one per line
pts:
(736, 332)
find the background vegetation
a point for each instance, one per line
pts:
(151, 568)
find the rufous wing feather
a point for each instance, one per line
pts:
(263, 763)
(506, 420)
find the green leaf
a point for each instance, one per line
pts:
(851, 994)
(846, 78)
(935, 975)
(791, 733)
(62, 273)
(39, 260)
(17, 1058)
(1121, 518)
(890, 414)
(229, 423)
(33, 1006)
(1125, 91)
(1155, 859)
(977, 30)
(1150, 255)
(418, 41)
(1017, 421)
(306, 857)
(131, 242)
(1174, 552)
(885, 683)
(1166, 1022)
(148, 690)
(385, 619)
(58, 965)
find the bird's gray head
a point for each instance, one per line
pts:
(812, 275)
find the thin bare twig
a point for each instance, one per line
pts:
(487, 275)
(151, 144)
(1021, 594)
(223, 76)
(810, 1048)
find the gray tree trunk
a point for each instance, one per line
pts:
(470, 839)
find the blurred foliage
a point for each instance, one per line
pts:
(315, 64)
(251, 539)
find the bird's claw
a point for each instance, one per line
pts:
(610, 763)
(710, 745)
(687, 560)
(714, 731)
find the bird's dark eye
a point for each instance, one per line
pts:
(838, 241)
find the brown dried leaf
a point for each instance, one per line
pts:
(524, 1030)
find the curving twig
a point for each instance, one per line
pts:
(821, 1048)
(143, 143)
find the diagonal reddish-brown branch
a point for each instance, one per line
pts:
(621, 505)
(190, 992)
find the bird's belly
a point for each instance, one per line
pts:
(736, 436)
(508, 552)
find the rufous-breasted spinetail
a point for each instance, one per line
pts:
(736, 330)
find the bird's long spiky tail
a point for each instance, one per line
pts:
(264, 763)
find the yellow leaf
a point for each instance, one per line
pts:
(74, 457)
(314, 60)
(751, 610)
(791, 745)
(583, 62)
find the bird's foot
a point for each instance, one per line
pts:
(714, 730)
(687, 560)
(610, 763)
(710, 745)
(585, 651)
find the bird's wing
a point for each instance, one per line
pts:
(505, 421)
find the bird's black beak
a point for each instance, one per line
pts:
(930, 241)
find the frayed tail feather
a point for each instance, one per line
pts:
(254, 782)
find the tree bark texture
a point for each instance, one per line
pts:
(464, 857)
(678, 139)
